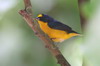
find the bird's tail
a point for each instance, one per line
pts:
(78, 34)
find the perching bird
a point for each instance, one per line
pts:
(56, 30)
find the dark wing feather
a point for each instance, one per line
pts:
(60, 26)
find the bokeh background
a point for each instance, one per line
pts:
(20, 47)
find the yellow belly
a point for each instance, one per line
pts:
(54, 34)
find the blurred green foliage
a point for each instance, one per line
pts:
(20, 47)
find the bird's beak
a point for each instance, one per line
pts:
(37, 18)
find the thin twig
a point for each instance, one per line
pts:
(27, 16)
(82, 16)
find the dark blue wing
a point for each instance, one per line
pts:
(60, 26)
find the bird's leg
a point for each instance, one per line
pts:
(56, 43)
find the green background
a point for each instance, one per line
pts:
(20, 47)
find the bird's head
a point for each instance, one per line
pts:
(44, 18)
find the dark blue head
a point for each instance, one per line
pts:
(45, 18)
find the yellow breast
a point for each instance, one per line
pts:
(54, 34)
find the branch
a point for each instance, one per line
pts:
(27, 16)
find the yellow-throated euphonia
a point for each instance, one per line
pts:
(56, 30)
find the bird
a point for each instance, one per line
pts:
(57, 31)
